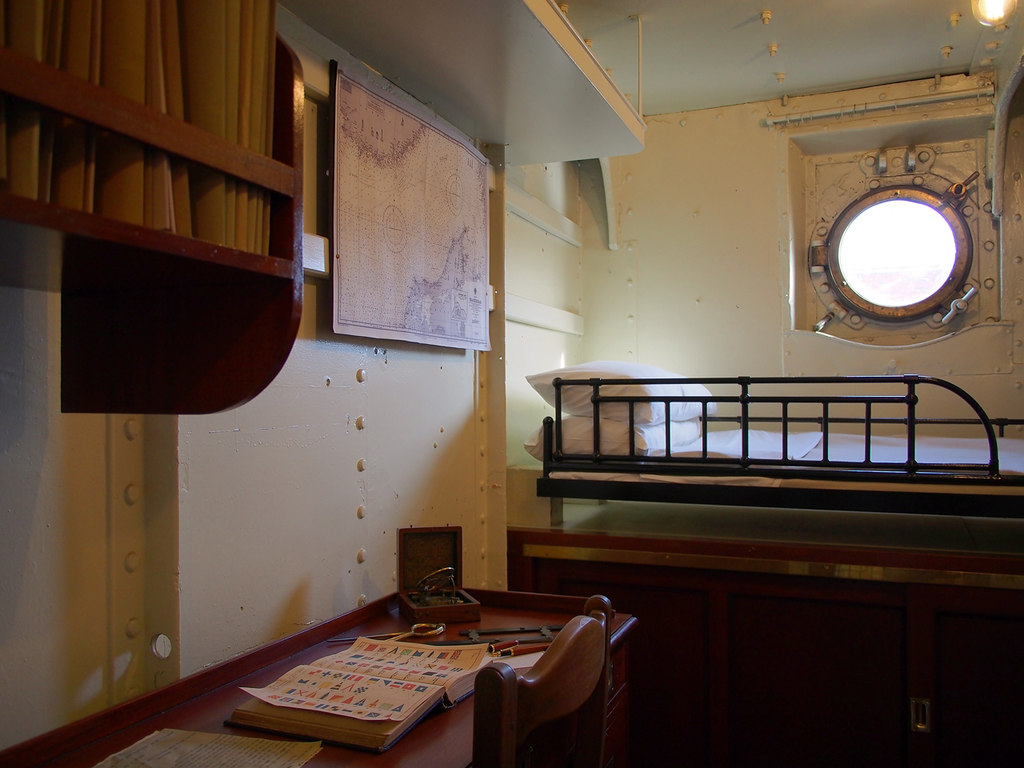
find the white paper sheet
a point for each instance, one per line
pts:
(172, 748)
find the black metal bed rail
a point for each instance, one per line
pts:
(906, 399)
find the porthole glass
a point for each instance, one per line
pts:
(898, 253)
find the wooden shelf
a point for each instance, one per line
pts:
(151, 321)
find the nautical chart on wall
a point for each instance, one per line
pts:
(410, 224)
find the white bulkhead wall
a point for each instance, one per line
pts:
(712, 241)
(290, 504)
(253, 523)
(543, 280)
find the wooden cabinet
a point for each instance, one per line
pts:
(966, 676)
(616, 745)
(153, 322)
(775, 655)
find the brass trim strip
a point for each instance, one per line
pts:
(881, 573)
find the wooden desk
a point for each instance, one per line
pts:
(202, 701)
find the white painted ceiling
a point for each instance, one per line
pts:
(517, 72)
(705, 53)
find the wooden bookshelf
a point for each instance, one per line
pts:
(152, 321)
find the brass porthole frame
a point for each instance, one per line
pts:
(938, 301)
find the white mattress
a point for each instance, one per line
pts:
(842, 447)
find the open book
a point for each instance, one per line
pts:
(366, 696)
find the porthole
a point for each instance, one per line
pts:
(898, 254)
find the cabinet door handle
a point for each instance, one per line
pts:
(921, 715)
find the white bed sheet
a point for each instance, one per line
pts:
(842, 447)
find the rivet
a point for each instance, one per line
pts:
(132, 562)
(360, 511)
(132, 628)
(360, 422)
(361, 556)
(131, 428)
(361, 601)
(161, 646)
(361, 465)
(361, 375)
(131, 494)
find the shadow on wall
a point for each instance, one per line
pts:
(21, 449)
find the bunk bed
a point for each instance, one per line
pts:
(902, 444)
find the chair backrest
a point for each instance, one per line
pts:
(555, 712)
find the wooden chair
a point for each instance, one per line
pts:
(554, 713)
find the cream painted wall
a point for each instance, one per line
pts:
(695, 285)
(290, 504)
(289, 509)
(712, 232)
(53, 509)
(710, 228)
(257, 521)
(545, 269)
(81, 590)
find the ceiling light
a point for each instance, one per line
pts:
(992, 13)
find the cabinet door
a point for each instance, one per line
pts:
(968, 650)
(669, 670)
(815, 683)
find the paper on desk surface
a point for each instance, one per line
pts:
(374, 679)
(172, 748)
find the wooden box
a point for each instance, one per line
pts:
(422, 552)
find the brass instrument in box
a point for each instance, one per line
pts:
(429, 575)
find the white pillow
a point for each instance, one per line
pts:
(578, 437)
(576, 398)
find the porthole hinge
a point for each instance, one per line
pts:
(959, 305)
(957, 193)
(819, 254)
